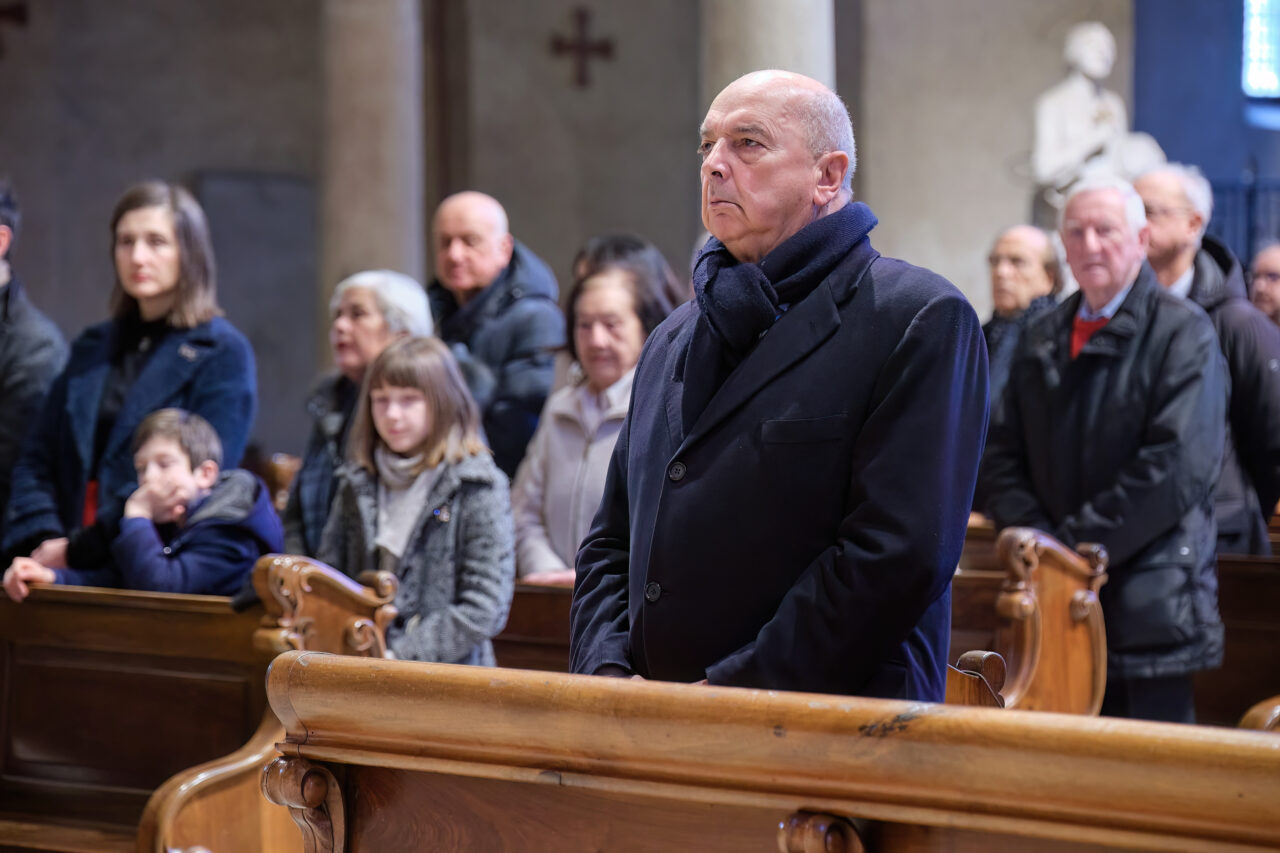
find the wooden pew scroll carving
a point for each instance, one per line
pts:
(1051, 592)
(815, 832)
(314, 799)
(309, 607)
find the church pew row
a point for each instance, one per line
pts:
(1248, 589)
(1040, 612)
(105, 694)
(391, 756)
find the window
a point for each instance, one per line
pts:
(1261, 67)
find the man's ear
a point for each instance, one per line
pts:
(206, 474)
(6, 240)
(830, 168)
(508, 246)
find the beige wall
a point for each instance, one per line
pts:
(947, 93)
(571, 163)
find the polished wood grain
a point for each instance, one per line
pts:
(1052, 633)
(1264, 716)
(218, 804)
(546, 749)
(105, 693)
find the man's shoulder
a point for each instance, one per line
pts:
(902, 288)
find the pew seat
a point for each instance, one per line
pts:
(395, 756)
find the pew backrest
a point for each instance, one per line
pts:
(306, 606)
(389, 756)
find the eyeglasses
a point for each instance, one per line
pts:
(1154, 212)
(1264, 276)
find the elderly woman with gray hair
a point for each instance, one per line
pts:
(370, 310)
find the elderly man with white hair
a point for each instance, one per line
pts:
(1195, 266)
(1112, 431)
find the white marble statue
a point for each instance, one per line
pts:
(1081, 127)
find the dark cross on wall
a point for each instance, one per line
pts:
(581, 47)
(13, 14)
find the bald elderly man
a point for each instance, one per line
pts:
(1194, 266)
(788, 497)
(1024, 280)
(496, 304)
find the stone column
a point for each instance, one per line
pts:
(372, 167)
(739, 36)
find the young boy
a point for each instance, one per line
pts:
(187, 528)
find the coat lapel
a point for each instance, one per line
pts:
(796, 334)
(170, 367)
(84, 390)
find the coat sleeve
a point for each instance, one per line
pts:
(912, 477)
(225, 393)
(214, 561)
(599, 621)
(1253, 358)
(1176, 465)
(534, 552)
(23, 384)
(484, 582)
(523, 380)
(32, 515)
(1004, 479)
(333, 547)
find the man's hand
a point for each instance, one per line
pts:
(153, 500)
(51, 553)
(25, 570)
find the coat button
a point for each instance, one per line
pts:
(652, 591)
(168, 550)
(1184, 550)
(676, 471)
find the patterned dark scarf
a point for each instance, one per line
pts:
(739, 302)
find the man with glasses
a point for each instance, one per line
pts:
(1195, 266)
(1264, 281)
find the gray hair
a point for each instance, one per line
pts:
(1195, 186)
(827, 127)
(1134, 210)
(401, 299)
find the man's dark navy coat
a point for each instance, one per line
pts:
(803, 535)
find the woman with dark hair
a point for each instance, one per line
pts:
(165, 346)
(613, 307)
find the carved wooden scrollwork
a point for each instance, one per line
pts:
(1050, 596)
(299, 595)
(816, 832)
(314, 799)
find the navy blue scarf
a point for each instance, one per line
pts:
(739, 302)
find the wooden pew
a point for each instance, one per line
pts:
(391, 756)
(217, 805)
(105, 694)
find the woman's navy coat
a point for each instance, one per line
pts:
(208, 370)
(804, 534)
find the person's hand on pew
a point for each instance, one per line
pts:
(564, 577)
(22, 571)
(51, 553)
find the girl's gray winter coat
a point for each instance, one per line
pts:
(457, 573)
